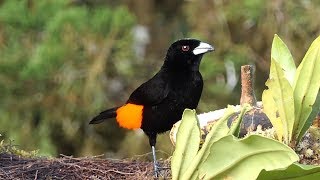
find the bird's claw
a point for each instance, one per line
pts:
(156, 171)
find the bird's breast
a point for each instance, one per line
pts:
(185, 91)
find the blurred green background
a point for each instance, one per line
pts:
(64, 61)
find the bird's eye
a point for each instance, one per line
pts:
(185, 48)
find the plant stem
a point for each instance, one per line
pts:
(247, 85)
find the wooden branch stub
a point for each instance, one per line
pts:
(247, 85)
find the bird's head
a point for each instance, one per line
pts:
(186, 54)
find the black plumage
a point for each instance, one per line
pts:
(177, 86)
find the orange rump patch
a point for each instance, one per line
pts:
(129, 116)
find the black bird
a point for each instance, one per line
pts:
(159, 103)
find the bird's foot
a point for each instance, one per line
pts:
(156, 169)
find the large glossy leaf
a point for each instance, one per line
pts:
(281, 54)
(270, 109)
(218, 130)
(295, 171)
(231, 158)
(282, 94)
(187, 145)
(306, 88)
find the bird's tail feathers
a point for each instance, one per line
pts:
(109, 113)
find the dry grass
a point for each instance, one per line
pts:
(65, 167)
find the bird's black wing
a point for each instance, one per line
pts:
(151, 92)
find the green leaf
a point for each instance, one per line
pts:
(281, 54)
(187, 145)
(270, 109)
(218, 130)
(235, 126)
(282, 94)
(313, 114)
(306, 88)
(231, 158)
(295, 171)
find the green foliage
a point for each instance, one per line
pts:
(217, 132)
(242, 32)
(12, 149)
(235, 127)
(222, 155)
(97, 69)
(294, 95)
(294, 171)
(231, 157)
(282, 95)
(306, 89)
(248, 8)
(281, 55)
(268, 108)
(189, 137)
(54, 58)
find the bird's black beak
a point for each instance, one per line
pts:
(203, 48)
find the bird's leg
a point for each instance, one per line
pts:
(155, 164)
(152, 141)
